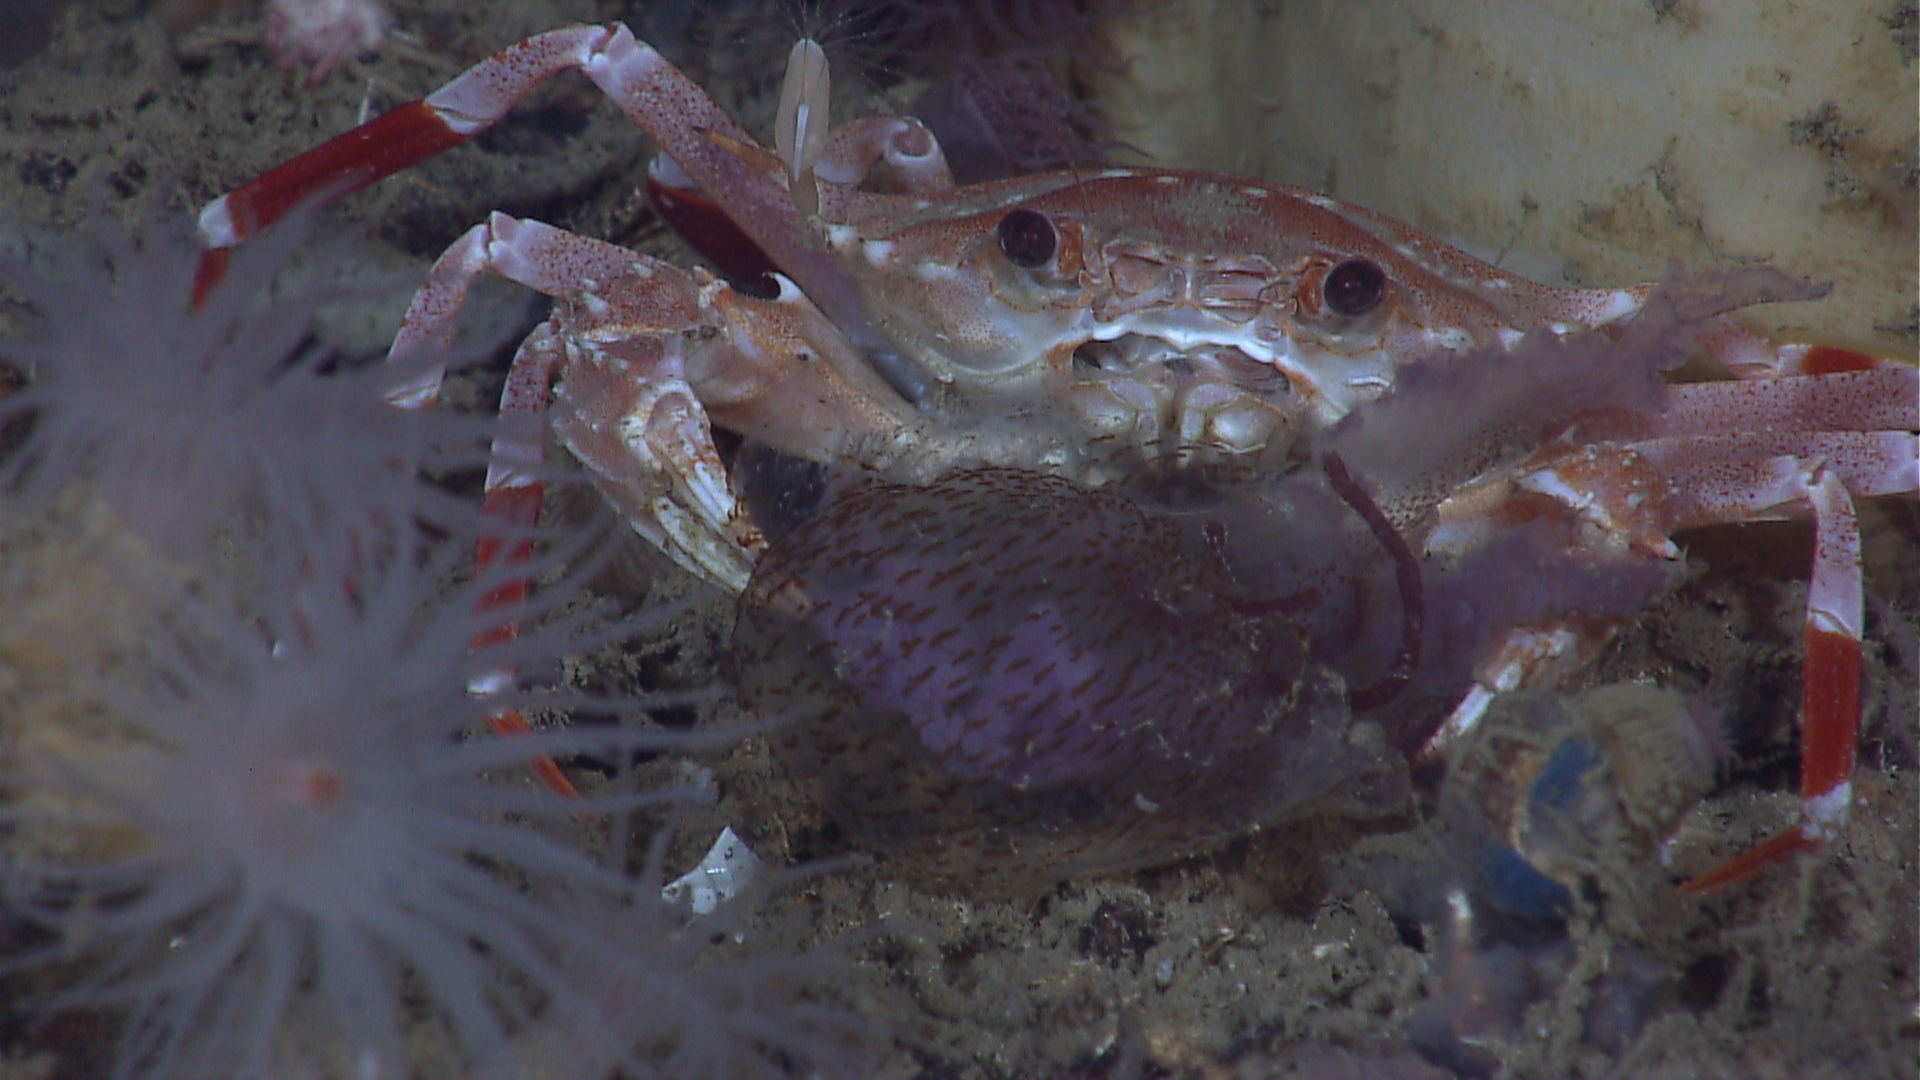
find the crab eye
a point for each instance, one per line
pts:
(1027, 238)
(1354, 287)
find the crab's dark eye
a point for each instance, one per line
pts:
(1354, 287)
(1027, 238)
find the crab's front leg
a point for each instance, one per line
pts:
(644, 349)
(637, 399)
(648, 358)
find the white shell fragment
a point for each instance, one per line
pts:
(728, 869)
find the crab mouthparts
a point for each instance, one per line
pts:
(1154, 359)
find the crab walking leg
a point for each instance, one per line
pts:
(549, 261)
(1527, 656)
(1750, 354)
(513, 497)
(697, 220)
(1830, 691)
(1884, 399)
(912, 154)
(1758, 476)
(676, 112)
(701, 138)
(913, 158)
(1716, 492)
(1718, 453)
(545, 259)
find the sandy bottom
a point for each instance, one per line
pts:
(1320, 948)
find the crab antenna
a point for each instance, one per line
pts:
(1406, 572)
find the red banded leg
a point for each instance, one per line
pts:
(1830, 697)
(1726, 453)
(655, 94)
(1830, 692)
(553, 262)
(687, 124)
(1723, 479)
(1857, 427)
(514, 493)
(1750, 354)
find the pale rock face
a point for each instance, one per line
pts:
(1572, 143)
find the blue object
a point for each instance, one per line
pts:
(1559, 783)
(1511, 886)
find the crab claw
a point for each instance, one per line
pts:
(656, 357)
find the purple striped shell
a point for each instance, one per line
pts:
(1005, 679)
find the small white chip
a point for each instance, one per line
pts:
(728, 869)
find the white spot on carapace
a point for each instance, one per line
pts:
(878, 252)
(1323, 202)
(928, 270)
(1166, 179)
(842, 237)
(1255, 192)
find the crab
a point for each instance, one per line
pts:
(1109, 328)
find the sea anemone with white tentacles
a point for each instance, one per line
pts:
(252, 818)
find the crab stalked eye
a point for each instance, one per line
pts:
(1027, 238)
(1354, 287)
